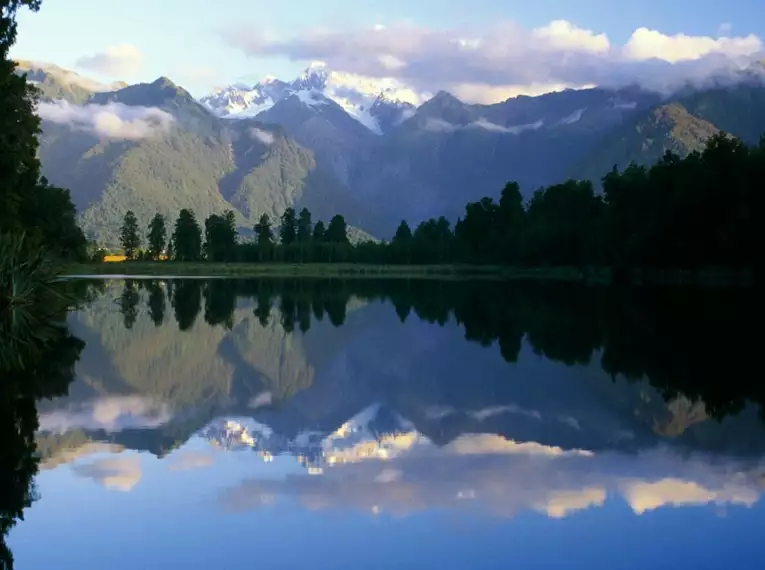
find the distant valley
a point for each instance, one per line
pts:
(374, 152)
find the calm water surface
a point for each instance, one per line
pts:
(356, 424)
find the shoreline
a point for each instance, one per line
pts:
(147, 270)
(711, 277)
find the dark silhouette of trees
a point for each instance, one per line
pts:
(304, 226)
(337, 231)
(187, 237)
(48, 216)
(37, 357)
(319, 232)
(170, 249)
(156, 303)
(129, 303)
(264, 236)
(702, 211)
(433, 241)
(129, 238)
(403, 234)
(288, 227)
(220, 237)
(401, 245)
(264, 232)
(28, 203)
(186, 301)
(564, 223)
(220, 302)
(157, 237)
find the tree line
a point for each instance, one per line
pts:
(29, 204)
(688, 213)
(655, 334)
(296, 238)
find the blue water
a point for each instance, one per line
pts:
(375, 444)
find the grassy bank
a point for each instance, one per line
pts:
(207, 269)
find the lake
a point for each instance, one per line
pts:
(388, 424)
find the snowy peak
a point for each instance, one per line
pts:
(375, 433)
(240, 100)
(378, 104)
(314, 77)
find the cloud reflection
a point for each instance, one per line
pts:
(120, 473)
(114, 413)
(490, 474)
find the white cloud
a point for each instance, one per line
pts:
(504, 60)
(441, 126)
(123, 60)
(112, 120)
(483, 444)
(113, 413)
(391, 62)
(646, 496)
(563, 35)
(560, 504)
(487, 94)
(267, 139)
(489, 473)
(114, 473)
(651, 44)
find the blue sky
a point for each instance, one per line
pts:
(186, 39)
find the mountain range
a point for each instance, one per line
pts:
(374, 151)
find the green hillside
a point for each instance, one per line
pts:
(665, 128)
(200, 162)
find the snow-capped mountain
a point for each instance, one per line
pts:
(240, 100)
(378, 104)
(374, 433)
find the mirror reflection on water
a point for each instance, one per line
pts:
(384, 424)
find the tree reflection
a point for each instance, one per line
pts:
(156, 302)
(129, 303)
(37, 357)
(220, 302)
(682, 341)
(187, 302)
(692, 342)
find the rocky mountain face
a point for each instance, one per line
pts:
(341, 144)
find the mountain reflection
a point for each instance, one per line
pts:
(396, 396)
(681, 341)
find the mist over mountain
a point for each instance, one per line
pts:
(374, 151)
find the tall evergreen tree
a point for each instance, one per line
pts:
(157, 236)
(401, 245)
(288, 228)
(403, 234)
(337, 231)
(27, 202)
(220, 237)
(129, 238)
(319, 232)
(263, 231)
(187, 237)
(304, 226)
